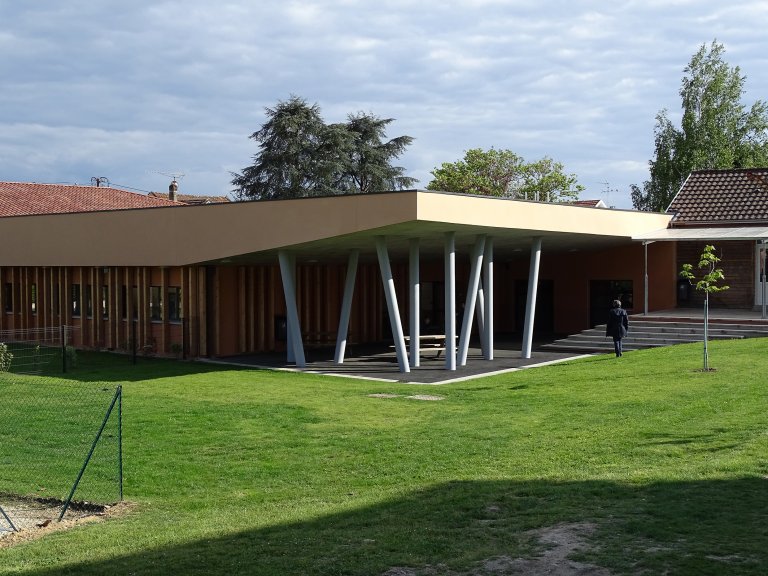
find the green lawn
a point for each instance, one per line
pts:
(252, 472)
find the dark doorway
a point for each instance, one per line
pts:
(602, 293)
(544, 317)
(432, 304)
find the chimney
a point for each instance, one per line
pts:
(172, 191)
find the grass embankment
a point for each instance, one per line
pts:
(251, 472)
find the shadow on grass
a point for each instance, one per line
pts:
(703, 527)
(113, 367)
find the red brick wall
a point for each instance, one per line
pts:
(738, 264)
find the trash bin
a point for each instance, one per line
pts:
(281, 328)
(683, 291)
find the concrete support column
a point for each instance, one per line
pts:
(346, 307)
(487, 328)
(480, 315)
(476, 266)
(450, 301)
(391, 297)
(288, 272)
(530, 306)
(646, 286)
(415, 301)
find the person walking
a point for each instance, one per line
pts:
(618, 325)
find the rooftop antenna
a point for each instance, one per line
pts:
(607, 192)
(173, 188)
(176, 176)
(99, 180)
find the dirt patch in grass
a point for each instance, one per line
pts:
(557, 543)
(34, 518)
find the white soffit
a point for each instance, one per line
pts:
(672, 234)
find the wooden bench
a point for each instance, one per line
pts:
(318, 339)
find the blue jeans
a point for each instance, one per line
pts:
(617, 345)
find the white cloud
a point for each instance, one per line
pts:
(115, 87)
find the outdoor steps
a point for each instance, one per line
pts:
(654, 332)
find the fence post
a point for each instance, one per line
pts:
(120, 439)
(7, 519)
(184, 336)
(118, 393)
(133, 341)
(62, 336)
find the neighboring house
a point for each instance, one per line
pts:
(191, 198)
(729, 210)
(24, 198)
(589, 203)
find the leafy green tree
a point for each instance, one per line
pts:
(707, 284)
(289, 163)
(505, 174)
(369, 167)
(717, 131)
(545, 181)
(299, 155)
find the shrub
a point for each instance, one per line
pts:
(5, 357)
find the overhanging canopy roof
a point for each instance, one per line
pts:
(313, 229)
(711, 233)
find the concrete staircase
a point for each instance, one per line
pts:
(649, 332)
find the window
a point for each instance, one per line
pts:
(155, 303)
(33, 298)
(174, 304)
(89, 301)
(8, 297)
(75, 300)
(105, 302)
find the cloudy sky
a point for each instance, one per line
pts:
(133, 91)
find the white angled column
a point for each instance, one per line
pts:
(287, 271)
(488, 300)
(391, 297)
(450, 301)
(346, 307)
(530, 305)
(480, 315)
(476, 267)
(415, 304)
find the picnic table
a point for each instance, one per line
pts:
(430, 343)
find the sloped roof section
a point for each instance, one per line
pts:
(589, 203)
(722, 197)
(192, 199)
(24, 199)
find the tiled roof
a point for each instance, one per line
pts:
(23, 198)
(722, 197)
(589, 203)
(192, 199)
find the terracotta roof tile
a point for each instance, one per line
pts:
(588, 203)
(192, 199)
(23, 198)
(722, 196)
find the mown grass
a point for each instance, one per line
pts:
(252, 472)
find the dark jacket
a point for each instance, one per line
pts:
(618, 323)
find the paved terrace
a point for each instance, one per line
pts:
(380, 363)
